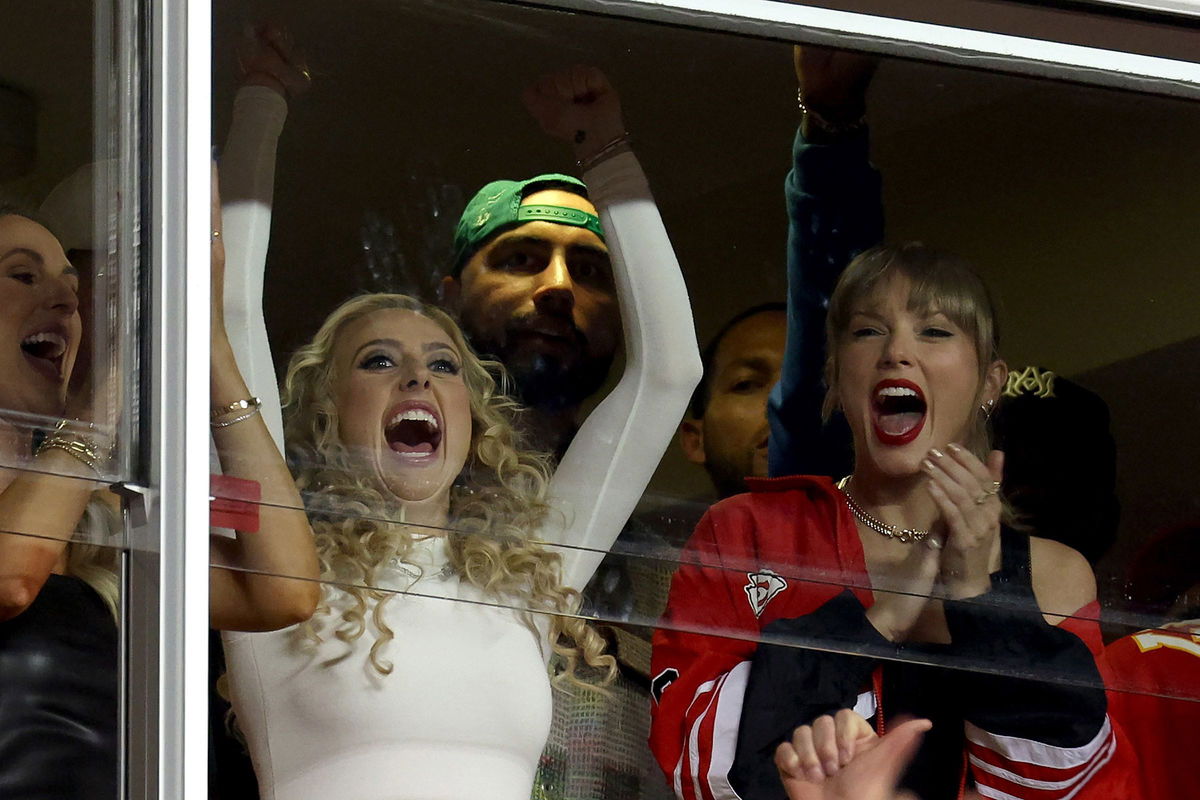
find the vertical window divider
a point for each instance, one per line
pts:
(168, 579)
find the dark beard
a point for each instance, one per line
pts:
(545, 382)
(727, 479)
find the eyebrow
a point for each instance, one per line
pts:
(752, 362)
(68, 268)
(428, 347)
(25, 251)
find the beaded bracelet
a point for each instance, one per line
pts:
(834, 128)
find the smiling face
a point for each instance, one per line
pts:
(907, 379)
(540, 299)
(402, 403)
(39, 318)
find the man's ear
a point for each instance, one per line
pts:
(448, 292)
(691, 440)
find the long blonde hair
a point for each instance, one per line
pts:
(499, 498)
(94, 559)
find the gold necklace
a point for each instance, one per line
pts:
(904, 535)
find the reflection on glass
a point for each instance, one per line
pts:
(1006, 648)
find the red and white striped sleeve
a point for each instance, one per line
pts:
(700, 665)
(1048, 739)
(1013, 768)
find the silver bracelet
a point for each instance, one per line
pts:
(240, 418)
(615, 147)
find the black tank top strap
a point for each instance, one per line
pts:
(1015, 570)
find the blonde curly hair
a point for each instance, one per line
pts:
(497, 500)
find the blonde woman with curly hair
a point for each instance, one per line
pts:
(451, 557)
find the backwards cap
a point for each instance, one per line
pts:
(497, 207)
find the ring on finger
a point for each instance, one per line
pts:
(986, 493)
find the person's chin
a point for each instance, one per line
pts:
(415, 489)
(899, 462)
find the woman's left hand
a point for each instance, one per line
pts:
(577, 105)
(967, 493)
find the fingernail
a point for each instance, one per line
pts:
(815, 774)
(953, 448)
(927, 464)
(936, 453)
(831, 768)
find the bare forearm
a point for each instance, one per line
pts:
(39, 512)
(248, 597)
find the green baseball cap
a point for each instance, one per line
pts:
(497, 207)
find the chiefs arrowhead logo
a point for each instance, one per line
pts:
(661, 681)
(763, 586)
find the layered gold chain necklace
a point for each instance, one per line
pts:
(904, 535)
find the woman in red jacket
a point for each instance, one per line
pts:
(896, 591)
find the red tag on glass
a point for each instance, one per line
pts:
(233, 503)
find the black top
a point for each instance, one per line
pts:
(1002, 630)
(58, 697)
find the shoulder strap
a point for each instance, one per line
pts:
(1015, 569)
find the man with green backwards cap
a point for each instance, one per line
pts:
(531, 280)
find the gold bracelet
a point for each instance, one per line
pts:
(240, 405)
(87, 450)
(78, 453)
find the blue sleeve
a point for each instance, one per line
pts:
(835, 211)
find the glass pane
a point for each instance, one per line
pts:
(59, 639)
(462, 537)
(69, 395)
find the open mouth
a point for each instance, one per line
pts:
(898, 408)
(44, 351)
(413, 429)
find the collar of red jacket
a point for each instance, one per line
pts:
(789, 482)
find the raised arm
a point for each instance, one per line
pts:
(266, 578)
(271, 74)
(603, 473)
(242, 366)
(835, 211)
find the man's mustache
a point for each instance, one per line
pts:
(548, 325)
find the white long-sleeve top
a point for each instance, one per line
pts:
(466, 710)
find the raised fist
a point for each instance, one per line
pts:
(268, 57)
(577, 105)
(834, 82)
